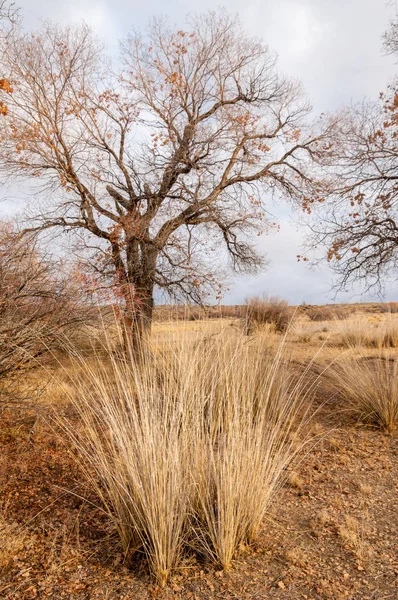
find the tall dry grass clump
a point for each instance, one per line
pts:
(187, 448)
(251, 434)
(370, 386)
(135, 443)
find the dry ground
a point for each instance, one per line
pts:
(332, 534)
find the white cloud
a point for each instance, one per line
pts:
(292, 28)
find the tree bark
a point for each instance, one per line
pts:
(138, 313)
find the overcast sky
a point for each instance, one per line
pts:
(332, 46)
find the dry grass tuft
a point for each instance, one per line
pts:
(296, 556)
(304, 338)
(365, 488)
(334, 444)
(324, 517)
(295, 481)
(190, 446)
(367, 335)
(353, 535)
(370, 386)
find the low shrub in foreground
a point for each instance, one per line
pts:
(188, 448)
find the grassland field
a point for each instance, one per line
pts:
(330, 531)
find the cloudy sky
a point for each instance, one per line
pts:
(332, 46)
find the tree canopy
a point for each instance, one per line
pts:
(164, 159)
(358, 222)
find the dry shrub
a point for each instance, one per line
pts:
(370, 386)
(184, 312)
(271, 311)
(188, 447)
(326, 313)
(37, 302)
(388, 307)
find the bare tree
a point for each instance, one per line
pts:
(390, 36)
(359, 219)
(164, 162)
(8, 19)
(37, 305)
(8, 14)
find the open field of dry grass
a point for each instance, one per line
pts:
(330, 529)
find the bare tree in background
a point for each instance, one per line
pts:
(8, 19)
(359, 220)
(390, 36)
(37, 304)
(8, 14)
(165, 163)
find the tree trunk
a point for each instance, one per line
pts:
(138, 314)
